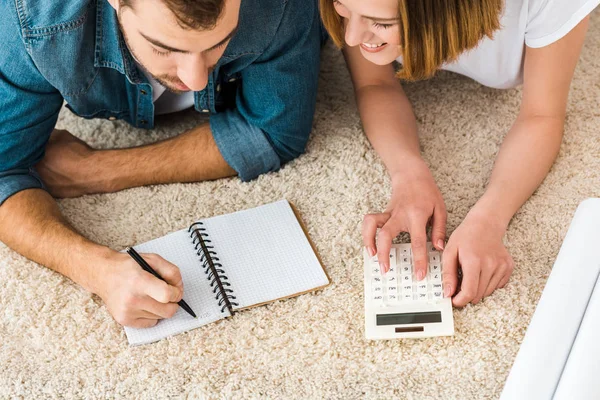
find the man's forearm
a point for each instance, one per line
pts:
(523, 162)
(32, 225)
(190, 157)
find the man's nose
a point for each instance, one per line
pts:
(193, 72)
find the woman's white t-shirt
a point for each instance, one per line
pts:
(498, 62)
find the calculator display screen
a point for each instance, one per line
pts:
(409, 318)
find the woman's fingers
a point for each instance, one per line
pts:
(438, 226)
(450, 270)
(494, 283)
(418, 244)
(485, 277)
(384, 242)
(369, 230)
(469, 285)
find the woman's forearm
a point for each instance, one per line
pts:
(390, 125)
(528, 152)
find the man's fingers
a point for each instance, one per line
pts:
(146, 314)
(469, 286)
(169, 272)
(418, 244)
(160, 290)
(143, 323)
(438, 228)
(450, 270)
(152, 307)
(369, 229)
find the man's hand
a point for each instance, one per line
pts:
(136, 298)
(476, 245)
(66, 166)
(415, 200)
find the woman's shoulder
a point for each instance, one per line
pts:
(550, 20)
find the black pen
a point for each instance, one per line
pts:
(135, 255)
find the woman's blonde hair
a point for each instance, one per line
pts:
(432, 32)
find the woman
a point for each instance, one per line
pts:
(499, 43)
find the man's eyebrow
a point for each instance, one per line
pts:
(169, 48)
(164, 46)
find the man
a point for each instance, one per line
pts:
(252, 64)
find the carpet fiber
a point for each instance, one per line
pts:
(59, 341)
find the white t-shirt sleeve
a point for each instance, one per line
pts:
(550, 20)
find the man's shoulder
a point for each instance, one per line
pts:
(47, 17)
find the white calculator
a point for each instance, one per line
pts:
(397, 305)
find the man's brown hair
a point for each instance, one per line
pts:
(432, 32)
(191, 14)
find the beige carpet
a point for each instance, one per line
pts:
(58, 341)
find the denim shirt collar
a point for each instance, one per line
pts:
(111, 50)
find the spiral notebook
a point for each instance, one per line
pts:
(235, 261)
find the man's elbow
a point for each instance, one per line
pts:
(291, 146)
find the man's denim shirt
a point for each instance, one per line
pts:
(261, 95)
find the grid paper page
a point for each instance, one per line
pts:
(265, 254)
(177, 248)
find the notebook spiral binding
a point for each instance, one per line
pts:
(212, 268)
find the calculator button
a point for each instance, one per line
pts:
(392, 279)
(393, 257)
(405, 269)
(377, 289)
(376, 271)
(392, 289)
(422, 296)
(434, 258)
(392, 298)
(437, 295)
(431, 248)
(436, 287)
(378, 299)
(377, 281)
(407, 288)
(404, 250)
(407, 296)
(435, 277)
(405, 260)
(407, 279)
(435, 267)
(392, 270)
(422, 288)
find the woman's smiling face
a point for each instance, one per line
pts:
(373, 25)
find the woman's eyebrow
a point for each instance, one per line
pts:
(395, 19)
(377, 19)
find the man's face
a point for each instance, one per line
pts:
(180, 59)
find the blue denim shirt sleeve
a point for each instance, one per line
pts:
(30, 107)
(275, 103)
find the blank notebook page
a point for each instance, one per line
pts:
(265, 254)
(177, 248)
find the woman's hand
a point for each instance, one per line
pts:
(415, 200)
(476, 246)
